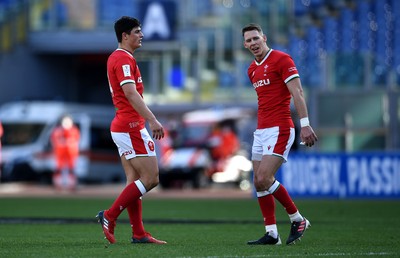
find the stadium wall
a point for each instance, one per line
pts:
(25, 76)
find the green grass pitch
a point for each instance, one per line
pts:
(66, 227)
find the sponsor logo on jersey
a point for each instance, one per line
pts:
(127, 152)
(151, 145)
(292, 69)
(133, 124)
(139, 80)
(260, 83)
(127, 70)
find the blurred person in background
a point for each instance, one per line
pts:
(224, 144)
(135, 146)
(230, 140)
(65, 142)
(276, 80)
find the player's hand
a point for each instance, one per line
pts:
(156, 129)
(307, 136)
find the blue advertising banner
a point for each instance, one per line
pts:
(343, 175)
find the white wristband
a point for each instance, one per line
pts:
(304, 122)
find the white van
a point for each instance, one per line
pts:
(26, 149)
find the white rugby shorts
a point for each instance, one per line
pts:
(134, 144)
(272, 141)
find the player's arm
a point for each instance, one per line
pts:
(307, 134)
(138, 104)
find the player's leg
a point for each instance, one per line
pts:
(135, 218)
(263, 175)
(134, 190)
(72, 179)
(147, 169)
(58, 177)
(299, 224)
(128, 195)
(139, 161)
(283, 139)
(135, 209)
(265, 199)
(270, 165)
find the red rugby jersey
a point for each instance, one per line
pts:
(122, 69)
(269, 78)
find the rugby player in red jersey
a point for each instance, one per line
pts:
(276, 80)
(135, 145)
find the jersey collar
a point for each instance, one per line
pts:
(126, 51)
(265, 58)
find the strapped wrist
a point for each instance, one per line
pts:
(304, 122)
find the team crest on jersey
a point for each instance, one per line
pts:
(139, 80)
(265, 68)
(127, 70)
(151, 145)
(292, 69)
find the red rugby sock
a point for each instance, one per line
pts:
(129, 195)
(282, 195)
(267, 206)
(135, 218)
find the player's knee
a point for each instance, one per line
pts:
(262, 182)
(151, 182)
(259, 182)
(155, 181)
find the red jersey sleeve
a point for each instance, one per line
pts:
(287, 68)
(125, 68)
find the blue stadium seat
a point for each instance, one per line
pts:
(364, 31)
(330, 32)
(314, 39)
(6, 3)
(396, 36)
(299, 8)
(313, 72)
(297, 48)
(346, 28)
(381, 39)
